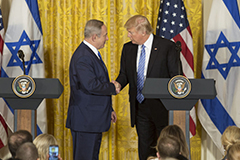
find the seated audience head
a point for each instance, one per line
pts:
(176, 131)
(27, 151)
(42, 142)
(230, 136)
(168, 147)
(233, 152)
(18, 138)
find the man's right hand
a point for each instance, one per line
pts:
(117, 86)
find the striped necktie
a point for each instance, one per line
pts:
(140, 75)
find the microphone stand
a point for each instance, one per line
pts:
(21, 56)
(179, 49)
(24, 68)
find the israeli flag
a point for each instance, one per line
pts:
(221, 62)
(24, 33)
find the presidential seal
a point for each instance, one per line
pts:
(179, 86)
(23, 86)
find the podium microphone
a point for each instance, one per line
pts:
(179, 49)
(21, 56)
(178, 46)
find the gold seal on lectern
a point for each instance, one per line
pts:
(179, 86)
(23, 86)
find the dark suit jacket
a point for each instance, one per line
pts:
(90, 104)
(163, 63)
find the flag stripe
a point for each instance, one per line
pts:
(185, 51)
(217, 113)
(189, 30)
(1, 144)
(33, 7)
(187, 71)
(187, 37)
(1, 44)
(192, 127)
(233, 9)
(3, 123)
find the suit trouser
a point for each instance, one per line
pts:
(86, 145)
(147, 130)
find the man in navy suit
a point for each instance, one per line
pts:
(90, 109)
(146, 56)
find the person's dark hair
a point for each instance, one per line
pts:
(168, 146)
(17, 139)
(27, 151)
(177, 132)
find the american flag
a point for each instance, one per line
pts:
(173, 24)
(1, 38)
(3, 125)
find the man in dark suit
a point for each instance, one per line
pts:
(90, 107)
(146, 56)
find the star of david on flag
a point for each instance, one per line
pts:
(14, 47)
(221, 62)
(232, 49)
(24, 33)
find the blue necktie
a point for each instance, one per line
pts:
(140, 75)
(100, 58)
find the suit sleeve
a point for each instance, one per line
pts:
(91, 79)
(122, 77)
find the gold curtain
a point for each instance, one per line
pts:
(63, 24)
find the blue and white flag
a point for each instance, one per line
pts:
(24, 33)
(221, 62)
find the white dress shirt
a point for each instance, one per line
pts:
(148, 47)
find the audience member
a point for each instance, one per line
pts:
(168, 147)
(230, 136)
(233, 152)
(18, 138)
(27, 151)
(177, 132)
(42, 142)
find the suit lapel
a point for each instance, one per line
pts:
(153, 56)
(98, 60)
(134, 61)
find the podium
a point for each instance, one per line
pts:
(200, 89)
(44, 88)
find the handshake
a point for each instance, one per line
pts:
(117, 86)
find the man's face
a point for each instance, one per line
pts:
(135, 36)
(103, 38)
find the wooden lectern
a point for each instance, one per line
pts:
(200, 89)
(45, 88)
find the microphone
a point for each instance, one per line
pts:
(178, 46)
(21, 56)
(179, 49)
